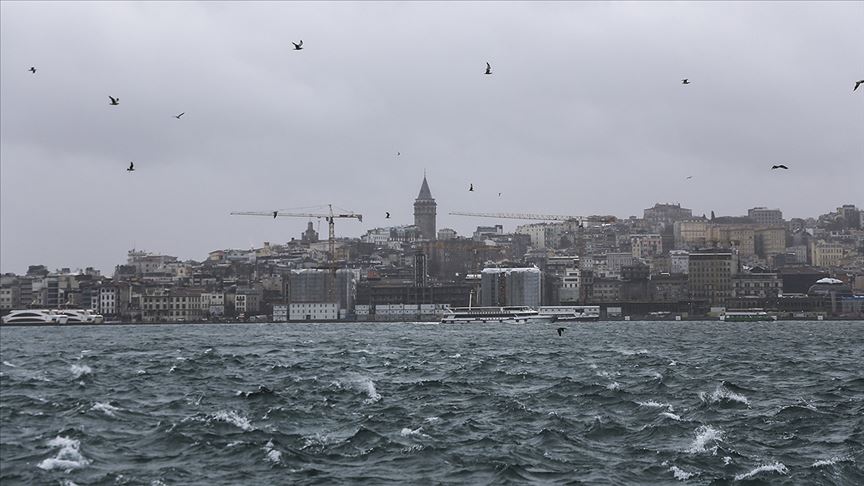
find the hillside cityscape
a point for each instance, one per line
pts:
(668, 262)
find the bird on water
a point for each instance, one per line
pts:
(561, 330)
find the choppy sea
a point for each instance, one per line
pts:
(606, 403)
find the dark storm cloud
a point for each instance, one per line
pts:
(584, 113)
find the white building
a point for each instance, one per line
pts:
(213, 304)
(108, 301)
(679, 261)
(280, 313)
(314, 311)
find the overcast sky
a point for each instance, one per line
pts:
(584, 113)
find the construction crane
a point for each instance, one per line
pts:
(544, 217)
(330, 217)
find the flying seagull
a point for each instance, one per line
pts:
(689, 177)
(561, 330)
(499, 194)
(778, 166)
(33, 70)
(275, 213)
(685, 81)
(131, 166)
(398, 153)
(488, 68)
(857, 83)
(297, 46)
(114, 101)
(471, 188)
(178, 116)
(388, 215)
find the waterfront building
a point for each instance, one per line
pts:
(446, 234)
(753, 284)
(425, 210)
(679, 262)
(313, 311)
(510, 286)
(710, 274)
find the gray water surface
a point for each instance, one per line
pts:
(606, 403)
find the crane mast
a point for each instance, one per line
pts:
(330, 217)
(536, 216)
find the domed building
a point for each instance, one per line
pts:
(829, 287)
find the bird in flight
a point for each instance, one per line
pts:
(499, 194)
(689, 177)
(778, 166)
(857, 83)
(33, 70)
(685, 81)
(471, 188)
(297, 46)
(114, 101)
(275, 213)
(561, 330)
(398, 153)
(388, 215)
(131, 166)
(488, 68)
(178, 116)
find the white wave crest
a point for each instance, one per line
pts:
(432, 420)
(680, 474)
(705, 435)
(831, 462)
(653, 404)
(418, 432)
(105, 408)
(457, 355)
(140, 372)
(613, 386)
(233, 418)
(721, 394)
(273, 455)
(367, 386)
(777, 467)
(10, 364)
(80, 370)
(727, 460)
(68, 457)
(671, 416)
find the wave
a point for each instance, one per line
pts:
(418, 432)
(105, 408)
(721, 394)
(10, 364)
(653, 404)
(705, 435)
(671, 416)
(273, 455)
(232, 418)
(777, 467)
(680, 474)
(831, 462)
(80, 370)
(367, 386)
(613, 386)
(68, 457)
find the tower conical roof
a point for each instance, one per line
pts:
(425, 193)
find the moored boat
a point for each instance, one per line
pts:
(502, 315)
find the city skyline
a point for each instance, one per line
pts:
(584, 114)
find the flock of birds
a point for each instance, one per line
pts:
(299, 47)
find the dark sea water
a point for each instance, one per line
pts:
(606, 403)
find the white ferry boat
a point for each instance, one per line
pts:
(34, 316)
(566, 313)
(486, 315)
(52, 316)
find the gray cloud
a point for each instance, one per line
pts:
(584, 114)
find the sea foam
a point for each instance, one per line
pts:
(723, 394)
(777, 467)
(105, 408)
(680, 474)
(80, 370)
(233, 418)
(68, 457)
(830, 462)
(705, 435)
(273, 455)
